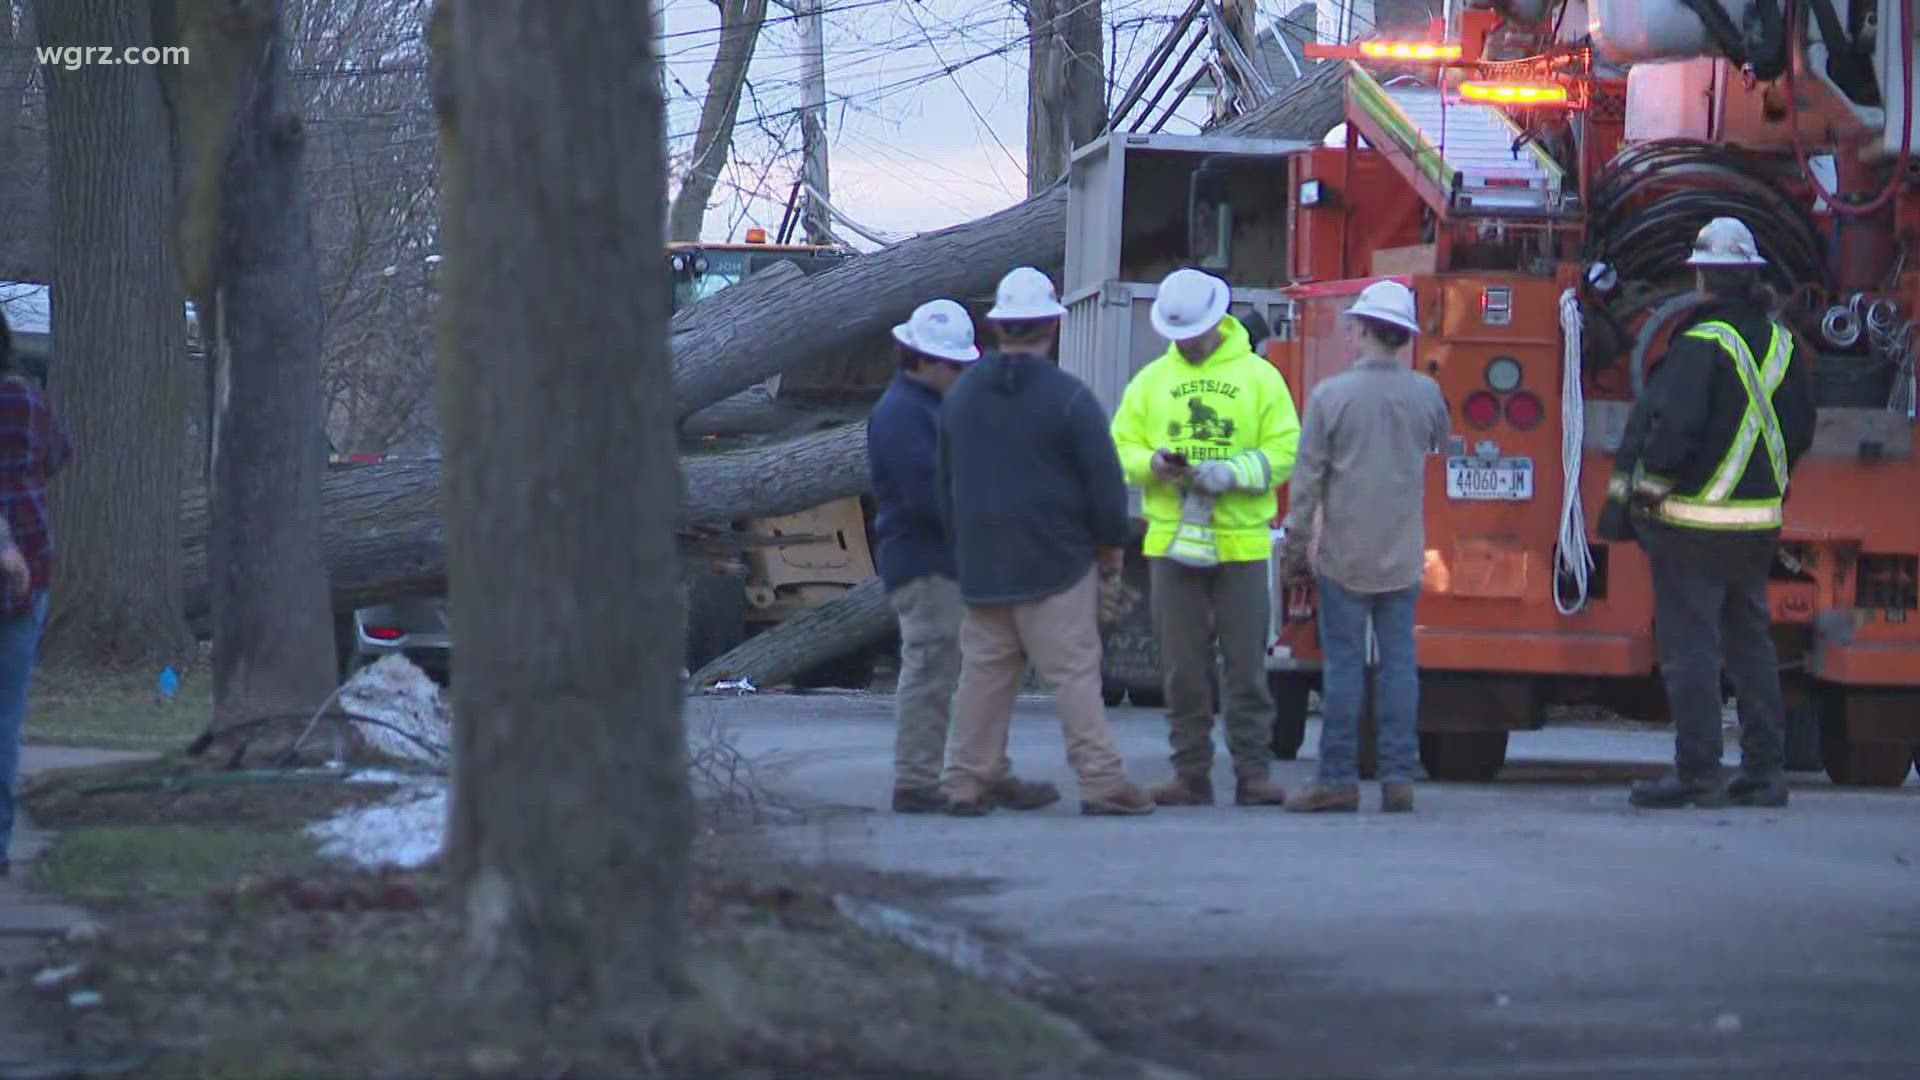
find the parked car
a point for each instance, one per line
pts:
(415, 628)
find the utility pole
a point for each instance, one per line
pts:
(1236, 22)
(813, 120)
(1066, 85)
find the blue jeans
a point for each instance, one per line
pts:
(1396, 700)
(19, 645)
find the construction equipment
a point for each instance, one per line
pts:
(1539, 192)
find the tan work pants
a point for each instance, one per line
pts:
(1061, 636)
(930, 612)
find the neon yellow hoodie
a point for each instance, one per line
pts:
(1233, 406)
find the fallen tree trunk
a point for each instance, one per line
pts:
(383, 534)
(757, 412)
(852, 621)
(741, 338)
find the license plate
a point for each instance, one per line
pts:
(1495, 480)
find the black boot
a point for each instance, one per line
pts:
(1670, 792)
(1748, 790)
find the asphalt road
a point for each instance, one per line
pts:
(1534, 927)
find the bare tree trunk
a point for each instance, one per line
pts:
(1081, 28)
(247, 251)
(571, 815)
(740, 22)
(120, 362)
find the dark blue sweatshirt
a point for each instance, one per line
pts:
(903, 437)
(1030, 482)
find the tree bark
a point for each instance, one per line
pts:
(119, 367)
(757, 412)
(571, 816)
(384, 535)
(855, 620)
(740, 22)
(246, 245)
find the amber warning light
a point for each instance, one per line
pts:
(1434, 51)
(1514, 93)
(1408, 50)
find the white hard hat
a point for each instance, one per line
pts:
(940, 329)
(1389, 302)
(1025, 294)
(1725, 241)
(1190, 303)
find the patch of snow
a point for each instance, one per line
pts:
(415, 723)
(405, 831)
(380, 776)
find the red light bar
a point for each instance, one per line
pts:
(385, 633)
(1514, 93)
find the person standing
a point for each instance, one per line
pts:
(1209, 430)
(1700, 481)
(33, 447)
(1032, 494)
(1356, 517)
(916, 561)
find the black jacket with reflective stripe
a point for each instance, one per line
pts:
(1690, 410)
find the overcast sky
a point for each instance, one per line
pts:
(912, 148)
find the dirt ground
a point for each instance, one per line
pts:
(220, 959)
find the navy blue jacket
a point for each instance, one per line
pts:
(903, 438)
(1030, 480)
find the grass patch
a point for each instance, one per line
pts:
(130, 863)
(784, 987)
(116, 710)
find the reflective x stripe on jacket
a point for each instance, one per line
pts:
(1713, 506)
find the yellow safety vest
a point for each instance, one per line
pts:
(1713, 507)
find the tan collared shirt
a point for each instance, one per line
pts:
(1362, 473)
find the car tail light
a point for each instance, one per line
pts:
(1525, 411)
(385, 633)
(1481, 409)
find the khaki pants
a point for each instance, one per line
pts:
(930, 612)
(1189, 607)
(1061, 636)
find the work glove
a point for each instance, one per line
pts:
(1117, 599)
(1296, 568)
(1616, 517)
(1214, 477)
(1193, 541)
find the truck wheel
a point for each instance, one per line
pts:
(1851, 763)
(1468, 757)
(851, 672)
(1290, 692)
(1803, 740)
(716, 618)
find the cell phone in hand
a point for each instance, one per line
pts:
(1178, 459)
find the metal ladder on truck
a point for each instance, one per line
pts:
(1466, 159)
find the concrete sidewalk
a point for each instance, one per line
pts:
(26, 920)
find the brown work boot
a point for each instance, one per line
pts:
(1183, 791)
(1396, 797)
(1127, 800)
(1013, 793)
(976, 804)
(919, 800)
(1322, 797)
(1258, 789)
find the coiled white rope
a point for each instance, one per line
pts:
(1572, 557)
